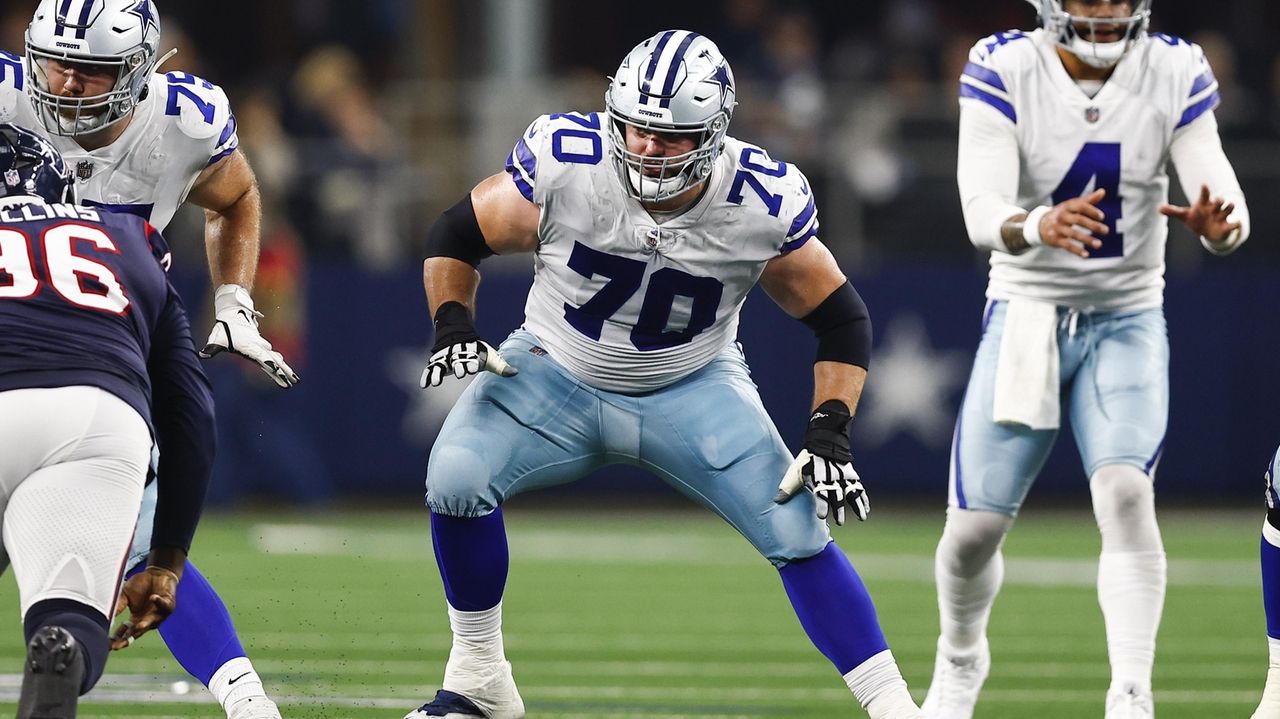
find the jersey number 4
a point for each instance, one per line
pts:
(1098, 164)
(77, 279)
(625, 277)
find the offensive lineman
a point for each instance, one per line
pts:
(648, 226)
(97, 359)
(1269, 707)
(144, 142)
(1064, 135)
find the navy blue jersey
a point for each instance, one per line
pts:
(85, 300)
(82, 293)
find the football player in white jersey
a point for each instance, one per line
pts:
(1064, 137)
(1269, 707)
(144, 142)
(648, 226)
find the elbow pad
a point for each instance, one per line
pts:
(457, 234)
(843, 328)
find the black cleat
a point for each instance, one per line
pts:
(52, 676)
(447, 705)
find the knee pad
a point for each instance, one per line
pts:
(1124, 505)
(972, 536)
(458, 483)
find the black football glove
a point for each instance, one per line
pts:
(458, 350)
(825, 466)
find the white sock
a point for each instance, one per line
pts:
(880, 689)
(234, 681)
(969, 569)
(1132, 571)
(1271, 694)
(477, 650)
(1131, 594)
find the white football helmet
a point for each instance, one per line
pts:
(675, 82)
(121, 36)
(1063, 26)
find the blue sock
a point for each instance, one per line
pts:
(1271, 586)
(199, 633)
(472, 555)
(834, 608)
(86, 624)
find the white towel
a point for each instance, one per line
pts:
(1027, 368)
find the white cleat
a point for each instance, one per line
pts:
(1266, 711)
(258, 707)
(1129, 702)
(476, 693)
(957, 680)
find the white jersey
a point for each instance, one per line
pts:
(1070, 144)
(628, 304)
(182, 126)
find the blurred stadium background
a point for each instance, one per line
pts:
(365, 119)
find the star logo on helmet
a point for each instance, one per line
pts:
(720, 76)
(146, 14)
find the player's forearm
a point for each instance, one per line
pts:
(232, 238)
(1197, 154)
(838, 380)
(446, 279)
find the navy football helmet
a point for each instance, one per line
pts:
(31, 167)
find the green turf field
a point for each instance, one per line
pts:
(668, 614)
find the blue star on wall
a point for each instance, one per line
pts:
(145, 12)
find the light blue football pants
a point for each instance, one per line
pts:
(708, 436)
(1114, 392)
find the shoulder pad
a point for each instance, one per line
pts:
(552, 141)
(777, 188)
(12, 83)
(996, 49)
(198, 107)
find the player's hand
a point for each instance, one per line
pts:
(458, 350)
(1074, 225)
(235, 330)
(150, 596)
(1207, 217)
(825, 466)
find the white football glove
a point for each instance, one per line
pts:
(459, 351)
(825, 466)
(235, 330)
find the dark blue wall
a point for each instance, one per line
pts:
(358, 425)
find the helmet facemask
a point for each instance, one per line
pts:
(1066, 29)
(674, 83)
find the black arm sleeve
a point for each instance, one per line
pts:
(843, 328)
(456, 233)
(182, 411)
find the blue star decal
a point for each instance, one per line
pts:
(144, 12)
(721, 77)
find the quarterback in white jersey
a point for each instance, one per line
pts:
(1065, 134)
(648, 226)
(143, 142)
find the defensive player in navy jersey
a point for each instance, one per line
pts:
(1066, 136)
(97, 361)
(649, 225)
(144, 141)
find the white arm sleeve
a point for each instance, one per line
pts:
(1197, 154)
(987, 168)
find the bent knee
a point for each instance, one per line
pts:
(458, 483)
(972, 536)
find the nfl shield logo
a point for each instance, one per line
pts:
(12, 178)
(84, 169)
(1091, 114)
